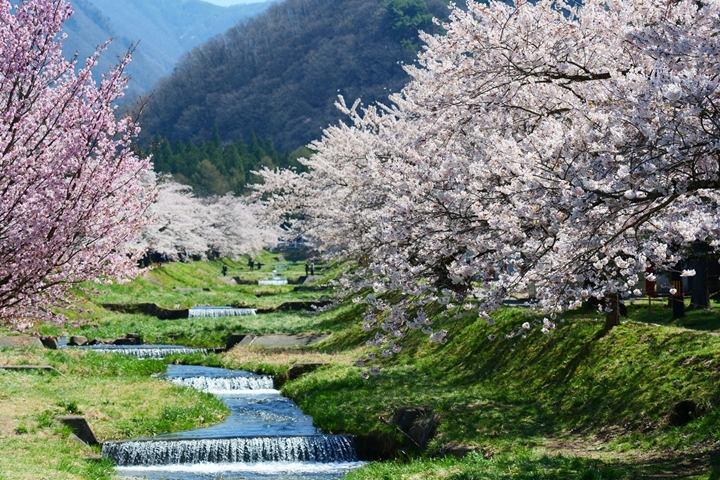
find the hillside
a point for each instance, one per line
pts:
(165, 29)
(279, 75)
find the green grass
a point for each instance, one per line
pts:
(197, 332)
(118, 395)
(166, 286)
(610, 391)
(521, 464)
(658, 312)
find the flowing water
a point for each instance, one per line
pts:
(204, 312)
(139, 351)
(144, 351)
(275, 280)
(265, 436)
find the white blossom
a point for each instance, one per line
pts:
(531, 150)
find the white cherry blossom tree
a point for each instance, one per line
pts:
(183, 225)
(567, 147)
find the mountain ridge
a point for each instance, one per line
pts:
(162, 30)
(279, 74)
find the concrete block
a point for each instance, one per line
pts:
(19, 341)
(77, 341)
(50, 342)
(80, 428)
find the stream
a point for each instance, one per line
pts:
(266, 436)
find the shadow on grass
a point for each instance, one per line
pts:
(703, 465)
(659, 313)
(527, 466)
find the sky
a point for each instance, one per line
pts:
(227, 3)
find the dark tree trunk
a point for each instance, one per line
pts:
(677, 301)
(700, 294)
(612, 310)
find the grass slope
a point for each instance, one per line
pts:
(185, 285)
(576, 403)
(117, 395)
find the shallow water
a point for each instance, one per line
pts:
(237, 471)
(266, 436)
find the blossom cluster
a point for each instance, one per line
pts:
(71, 189)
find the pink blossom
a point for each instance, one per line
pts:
(73, 190)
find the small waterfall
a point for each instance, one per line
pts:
(309, 448)
(159, 352)
(204, 312)
(226, 384)
(145, 351)
(266, 436)
(275, 280)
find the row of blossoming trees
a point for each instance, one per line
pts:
(185, 226)
(76, 202)
(540, 144)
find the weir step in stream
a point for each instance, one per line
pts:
(215, 312)
(265, 436)
(145, 351)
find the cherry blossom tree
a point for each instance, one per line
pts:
(71, 195)
(333, 206)
(236, 228)
(182, 225)
(539, 144)
(581, 153)
(175, 223)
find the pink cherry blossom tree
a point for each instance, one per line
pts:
(575, 144)
(71, 196)
(540, 144)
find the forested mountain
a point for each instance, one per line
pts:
(279, 74)
(214, 168)
(165, 29)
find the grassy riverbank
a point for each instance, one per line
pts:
(118, 396)
(185, 285)
(576, 403)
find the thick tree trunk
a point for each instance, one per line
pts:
(700, 295)
(612, 310)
